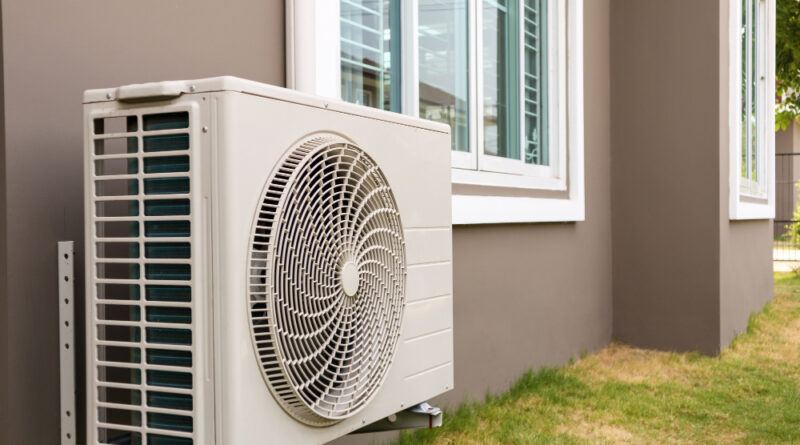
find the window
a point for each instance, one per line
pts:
(495, 71)
(752, 129)
(517, 64)
(501, 81)
(370, 53)
(514, 96)
(753, 79)
(444, 67)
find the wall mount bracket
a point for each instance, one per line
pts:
(66, 337)
(422, 415)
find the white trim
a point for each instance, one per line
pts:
(312, 47)
(469, 159)
(497, 179)
(409, 67)
(313, 53)
(471, 209)
(738, 187)
(476, 38)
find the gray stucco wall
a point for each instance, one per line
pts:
(787, 170)
(665, 167)
(788, 140)
(52, 52)
(4, 402)
(686, 277)
(745, 273)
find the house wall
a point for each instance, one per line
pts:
(745, 273)
(52, 51)
(745, 246)
(665, 173)
(787, 174)
(785, 197)
(788, 140)
(4, 405)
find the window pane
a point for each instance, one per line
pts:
(443, 66)
(370, 53)
(751, 84)
(535, 39)
(745, 90)
(754, 91)
(500, 79)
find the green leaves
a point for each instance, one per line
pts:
(787, 62)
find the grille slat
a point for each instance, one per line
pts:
(143, 240)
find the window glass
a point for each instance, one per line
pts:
(500, 79)
(754, 66)
(535, 82)
(370, 53)
(745, 90)
(512, 68)
(444, 66)
(750, 87)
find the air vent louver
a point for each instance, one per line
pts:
(143, 282)
(327, 280)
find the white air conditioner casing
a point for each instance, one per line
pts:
(229, 225)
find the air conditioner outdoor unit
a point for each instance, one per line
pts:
(262, 266)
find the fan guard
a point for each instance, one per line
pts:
(327, 278)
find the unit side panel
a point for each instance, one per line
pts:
(146, 274)
(252, 135)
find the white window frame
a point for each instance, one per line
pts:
(313, 66)
(748, 199)
(504, 172)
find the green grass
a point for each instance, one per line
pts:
(750, 393)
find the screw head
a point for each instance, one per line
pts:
(109, 96)
(205, 129)
(192, 88)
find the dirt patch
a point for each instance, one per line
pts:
(633, 365)
(582, 427)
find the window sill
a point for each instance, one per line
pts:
(475, 209)
(744, 209)
(505, 202)
(493, 179)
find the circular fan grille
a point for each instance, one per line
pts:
(326, 280)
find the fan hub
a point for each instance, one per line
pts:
(348, 277)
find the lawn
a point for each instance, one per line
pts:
(749, 394)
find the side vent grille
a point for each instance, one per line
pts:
(142, 290)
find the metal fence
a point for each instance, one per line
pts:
(786, 228)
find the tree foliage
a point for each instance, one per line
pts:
(787, 62)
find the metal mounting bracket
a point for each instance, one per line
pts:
(66, 336)
(418, 416)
